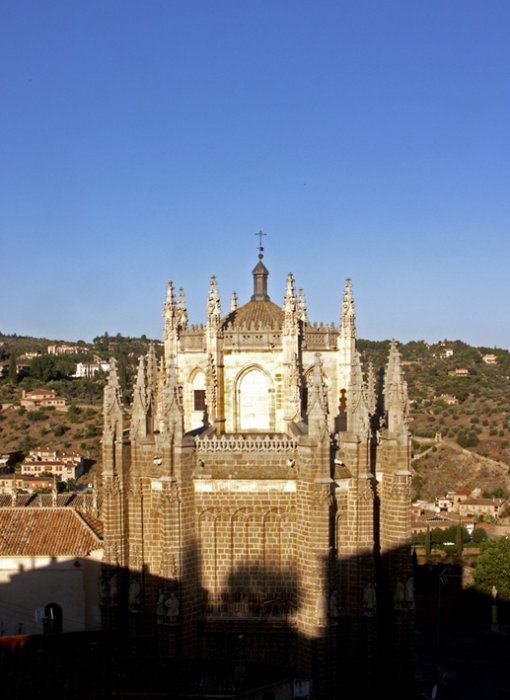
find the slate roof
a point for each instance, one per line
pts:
(45, 532)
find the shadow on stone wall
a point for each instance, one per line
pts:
(145, 642)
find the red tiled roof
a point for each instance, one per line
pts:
(45, 532)
(255, 314)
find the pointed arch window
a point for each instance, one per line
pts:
(254, 401)
(198, 404)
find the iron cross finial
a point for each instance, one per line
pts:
(260, 234)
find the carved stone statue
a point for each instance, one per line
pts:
(399, 595)
(322, 610)
(160, 607)
(333, 605)
(114, 589)
(134, 595)
(172, 606)
(104, 590)
(369, 600)
(409, 594)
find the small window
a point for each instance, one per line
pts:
(199, 400)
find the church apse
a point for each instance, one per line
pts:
(259, 484)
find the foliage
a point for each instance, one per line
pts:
(467, 438)
(69, 485)
(13, 374)
(37, 415)
(49, 367)
(493, 568)
(428, 543)
(459, 540)
(480, 535)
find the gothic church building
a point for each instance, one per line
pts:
(256, 497)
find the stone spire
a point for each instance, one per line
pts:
(170, 418)
(214, 370)
(260, 274)
(348, 325)
(302, 310)
(213, 304)
(233, 302)
(371, 390)
(291, 355)
(182, 312)
(346, 339)
(396, 404)
(290, 308)
(357, 405)
(139, 404)
(169, 310)
(152, 370)
(151, 395)
(317, 401)
(112, 405)
(171, 324)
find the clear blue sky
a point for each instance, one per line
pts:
(143, 141)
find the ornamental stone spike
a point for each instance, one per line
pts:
(317, 400)
(357, 409)
(169, 305)
(302, 310)
(152, 368)
(348, 316)
(396, 403)
(112, 402)
(289, 302)
(346, 340)
(182, 312)
(139, 404)
(290, 325)
(213, 303)
(371, 390)
(170, 416)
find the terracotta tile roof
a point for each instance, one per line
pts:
(45, 532)
(434, 520)
(93, 522)
(255, 315)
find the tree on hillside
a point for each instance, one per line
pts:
(493, 568)
(428, 543)
(459, 543)
(47, 367)
(13, 371)
(479, 535)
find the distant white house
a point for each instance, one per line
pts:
(89, 369)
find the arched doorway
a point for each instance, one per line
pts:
(52, 621)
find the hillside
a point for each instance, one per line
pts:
(454, 395)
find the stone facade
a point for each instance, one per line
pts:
(256, 497)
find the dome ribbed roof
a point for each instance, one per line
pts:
(255, 314)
